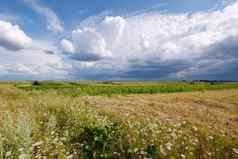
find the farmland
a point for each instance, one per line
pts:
(118, 120)
(110, 88)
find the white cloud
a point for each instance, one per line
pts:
(33, 62)
(154, 40)
(23, 57)
(19, 69)
(169, 35)
(54, 23)
(95, 43)
(89, 44)
(67, 46)
(12, 37)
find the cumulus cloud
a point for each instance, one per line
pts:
(148, 42)
(26, 58)
(67, 46)
(12, 37)
(54, 23)
(95, 43)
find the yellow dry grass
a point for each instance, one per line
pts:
(216, 110)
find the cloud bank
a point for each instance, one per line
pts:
(159, 46)
(32, 64)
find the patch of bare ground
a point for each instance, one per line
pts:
(216, 110)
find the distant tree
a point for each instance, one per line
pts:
(36, 83)
(212, 83)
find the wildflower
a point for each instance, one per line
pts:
(142, 152)
(180, 132)
(162, 150)
(23, 156)
(235, 150)
(183, 156)
(168, 146)
(63, 138)
(116, 153)
(178, 124)
(81, 145)
(169, 130)
(196, 140)
(195, 128)
(8, 154)
(136, 149)
(21, 149)
(210, 137)
(173, 134)
(209, 154)
(37, 144)
(70, 157)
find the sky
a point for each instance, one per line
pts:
(119, 40)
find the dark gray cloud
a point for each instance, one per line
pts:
(85, 57)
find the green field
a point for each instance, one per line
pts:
(110, 88)
(65, 120)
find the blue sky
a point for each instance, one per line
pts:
(119, 40)
(72, 12)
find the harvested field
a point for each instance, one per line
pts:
(217, 110)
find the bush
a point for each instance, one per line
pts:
(36, 83)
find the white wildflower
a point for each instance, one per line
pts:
(142, 152)
(210, 137)
(8, 154)
(70, 157)
(37, 144)
(183, 156)
(162, 150)
(235, 150)
(195, 128)
(23, 156)
(168, 146)
(21, 149)
(173, 134)
(136, 149)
